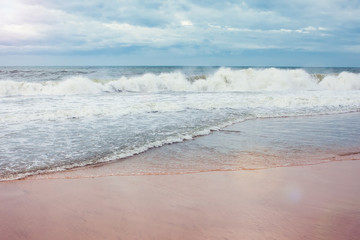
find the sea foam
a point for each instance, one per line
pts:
(223, 80)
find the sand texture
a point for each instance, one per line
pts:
(309, 202)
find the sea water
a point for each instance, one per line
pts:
(57, 118)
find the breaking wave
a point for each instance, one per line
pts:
(223, 80)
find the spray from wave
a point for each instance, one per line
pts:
(223, 80)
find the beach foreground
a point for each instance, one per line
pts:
(305, 202)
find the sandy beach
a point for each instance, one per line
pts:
(308, 202)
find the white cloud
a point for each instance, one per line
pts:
(305, 30)
(92, 25)
(186, 23)
(22, 32)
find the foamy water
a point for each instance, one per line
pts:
(55, 118)
(222, 80)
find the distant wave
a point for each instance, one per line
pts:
(223, 80)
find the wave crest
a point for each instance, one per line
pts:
(223, 80)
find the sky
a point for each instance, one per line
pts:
(180, 32)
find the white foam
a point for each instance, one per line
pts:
(71, 86)
(152, 83)
(343, 81)
(226, 79)
(223, 80)
(116, 105)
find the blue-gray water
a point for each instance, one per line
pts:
(55, 118)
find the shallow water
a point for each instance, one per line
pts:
(249, 145)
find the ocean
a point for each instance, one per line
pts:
(58, 118)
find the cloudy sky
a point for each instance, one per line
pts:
(180, 32)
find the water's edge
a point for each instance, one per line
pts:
(113, 168)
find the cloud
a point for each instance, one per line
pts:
(21, 32)
(182, 26)
(186, 23)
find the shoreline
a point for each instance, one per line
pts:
(66, 174)
(234, 130)
(314, 202)
(262, 143)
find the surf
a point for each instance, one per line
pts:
(222, 80)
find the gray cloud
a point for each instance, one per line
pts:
(201, 27)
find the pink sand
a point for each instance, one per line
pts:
(310, 202)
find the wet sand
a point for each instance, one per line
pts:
(305, 202)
